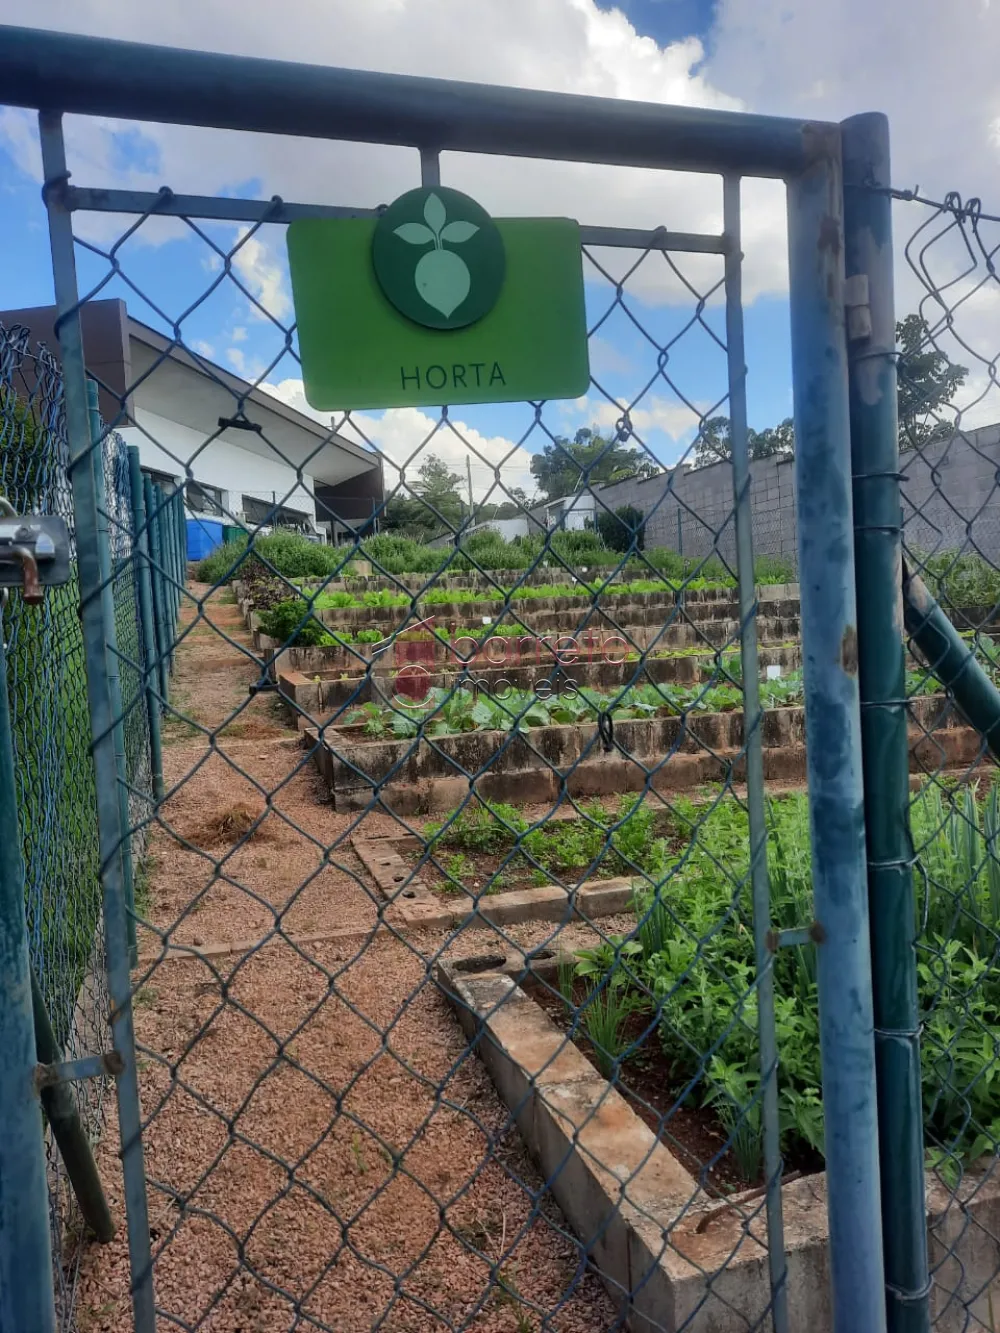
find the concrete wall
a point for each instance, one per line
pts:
(951, 498)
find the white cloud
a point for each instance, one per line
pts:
(565, 45)
(239, 334)
(237, 359)
(791, 57)
(668, 416)
(264, 275)
(407, 436)
(203, 348)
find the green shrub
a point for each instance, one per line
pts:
(623, 530)
(391, 554)
(292, 621)
(958, 580)
(773, 569)
(288, 553)
(222, 564)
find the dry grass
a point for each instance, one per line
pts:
(237, 823)
(322, 1148)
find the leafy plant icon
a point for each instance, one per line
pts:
(442, 277)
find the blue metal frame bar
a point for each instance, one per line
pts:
(26, 1297)
(96, 76)
(111, 658)
(833, 741)
(167, 204)
(128, 80)
(753, 745)
(110, 832)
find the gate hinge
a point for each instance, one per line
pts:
(858, 307)
(70, 1071)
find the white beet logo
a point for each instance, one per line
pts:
(442, 277)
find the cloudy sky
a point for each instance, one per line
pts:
(930, 66)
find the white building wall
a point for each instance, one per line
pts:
(508, 528)
(572, 512)
(223, 464)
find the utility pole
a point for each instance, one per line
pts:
(468, 474)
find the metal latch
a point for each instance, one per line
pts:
(34, 553)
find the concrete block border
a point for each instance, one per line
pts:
(413, 904)
(671, 1256)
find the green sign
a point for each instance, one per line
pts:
(436, 303)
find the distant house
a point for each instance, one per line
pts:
(570, 513)
(241, 454)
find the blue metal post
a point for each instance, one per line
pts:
(878, 533)
(26, 1297)
(110, 832)
(112, 661)
(153, 496)
(144, 587)
(833, 737)
(752, 725)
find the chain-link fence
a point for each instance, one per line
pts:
(496, 944)
(948, 414)
(423, 804)
(50, 719)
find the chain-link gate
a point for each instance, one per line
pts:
(463, 968)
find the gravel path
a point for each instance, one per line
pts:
(322, 1150)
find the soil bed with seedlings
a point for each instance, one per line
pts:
(492, 848)
(713, 1151)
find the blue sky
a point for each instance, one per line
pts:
(668, 20)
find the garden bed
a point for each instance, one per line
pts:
(418, 774)
(668, 1007)
(660, 1097)
(477, 850)
(321, 692)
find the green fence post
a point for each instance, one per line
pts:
(144, 588)
(152, 493)
(26, 1296)
(112, 661)
(951, 660)
(182, 545)
(167, 547)
(170, 517)
(174, 558)
(885, 747)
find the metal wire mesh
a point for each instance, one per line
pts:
(948, 409)
(56, 803)
(421, 806)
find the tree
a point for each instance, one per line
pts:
(566, 466)
(623, 530)
(926, 381)
(518, 504)
(715, 444)
(437, 508)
